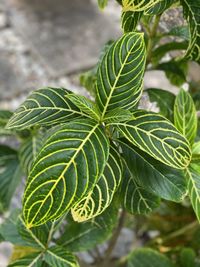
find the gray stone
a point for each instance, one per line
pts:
(68, 35)
(9, 79)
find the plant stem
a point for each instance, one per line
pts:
(114, 239)
(152, 35)
(177, 233)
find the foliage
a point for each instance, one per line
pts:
(90, 162)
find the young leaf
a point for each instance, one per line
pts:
(135, 199)
(158, 137)
(155, 177)
(29, 150)
(134, 5)
(146, 257)
(130, 20)
(59, 257)
(165, 101)
(10, 174)
(185, 117)
(187, 257)
(120, 74)
(159, 7)
(69, 164)
(191, 11)
(100, 197)
(193, 176)
(117, 115)
(47, 107)
(84, 236)
(32, 260)
(85, 105)
(102, 3)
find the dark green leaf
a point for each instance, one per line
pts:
(32, 260)
(117, 115)
(84, 236)
(59, 257)
(180, 31)
(187, 257)
(191, 11)
(165, 101)
(120, 74)
(68, 166)
(29, 150)
(85, 105)
(156, 177)
(130, 20)
(185, 117)
(193, 176)
(100, 197)
(135, 199)
(47, 106)
(160, 7)
(146, 257)
(157, 136)
(10, 174)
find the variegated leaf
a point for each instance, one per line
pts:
(85, 105)
(135, 199)
(99, 198)
(130, 20)
(120, 74)
(193, 176)
(59, 257)
(47, 107)
(152, 175)
(67, 167)
(159, 7)
(158, 137)
(28, 151)
(32, 260)
(185, 117)
(191, 11)
(135, 5)
(117, 115)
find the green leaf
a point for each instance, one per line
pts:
(160, 7)
(165, 101)
(191, 11)
(130, 20)
(102, 3)
(193, 176)
(85, 105)
(134, 5)
(47, 107)
(84, 236)
(117, 115)
(69, 164)
(180, 31)
(155, 177)
(196, 148)
(10, 174)
(185, 117)
(59, 257)
(175, 71)
(29, 150)
(31, 260)
(146, 257)
(187, 257)
(5, 115)
(135, 199)
(162, 50)
(120, 74)
(101, 196)
(14, 230)
(156, 136)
